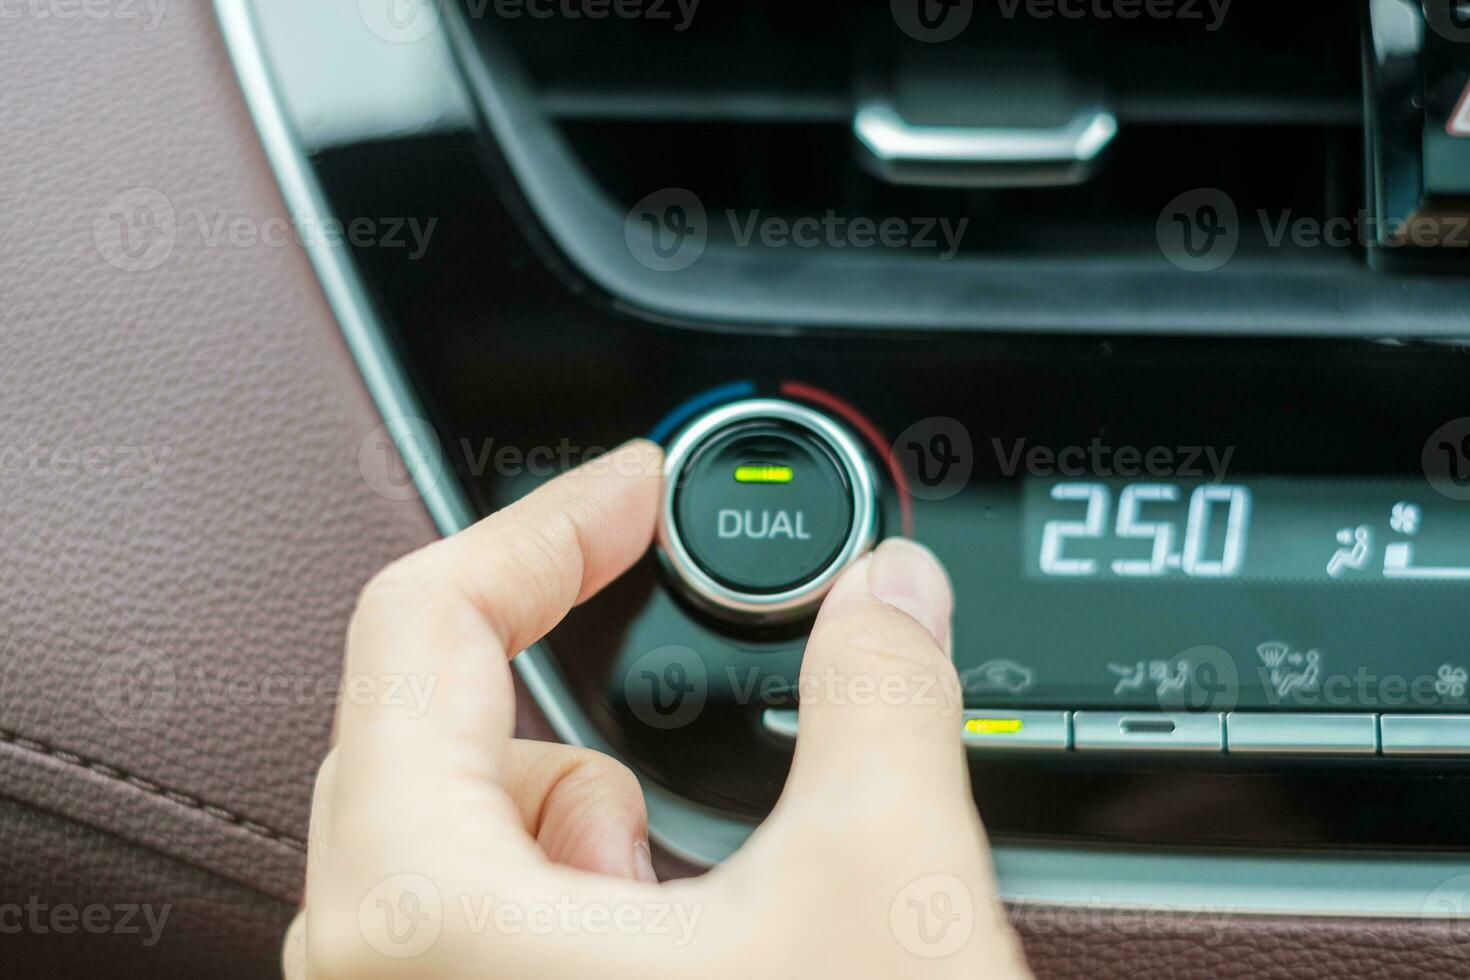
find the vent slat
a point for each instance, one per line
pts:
(1223, 108)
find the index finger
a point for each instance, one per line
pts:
(441, 624)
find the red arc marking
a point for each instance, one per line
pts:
(874, 435)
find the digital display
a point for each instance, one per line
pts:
(1260, 530)
(1255, 593)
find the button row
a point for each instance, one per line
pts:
(1240, 733)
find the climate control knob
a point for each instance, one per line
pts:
(765, 503)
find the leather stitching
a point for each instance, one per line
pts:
(154, 789)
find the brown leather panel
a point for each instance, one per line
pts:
(167, 820)
(1099, 944)
(181, 505)
(148, 915)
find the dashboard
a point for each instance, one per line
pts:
(1151, 321)
(1211, 557)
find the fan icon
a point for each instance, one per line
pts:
(1406, 518)
(1451, 681)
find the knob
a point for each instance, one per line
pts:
(765, 503)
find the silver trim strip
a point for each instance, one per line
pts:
(686, 830)
(1355, 885)
(390, 391)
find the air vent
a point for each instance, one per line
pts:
(1054, 164)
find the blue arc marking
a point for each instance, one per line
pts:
(675, 420)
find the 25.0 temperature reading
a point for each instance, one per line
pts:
(1209, 544)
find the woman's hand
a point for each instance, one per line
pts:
(442, 847)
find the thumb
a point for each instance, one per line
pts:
(880, 701)
(877, 824)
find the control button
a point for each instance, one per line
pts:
(1301, 733)
(766, 501)
(763, 507)
(1152, 731)
(1425, 734)
(999, 729)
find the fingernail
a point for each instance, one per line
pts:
(643, 863)
(908, 576)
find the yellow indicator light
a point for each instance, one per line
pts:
(994, 726)
(763, 473)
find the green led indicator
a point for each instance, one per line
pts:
(763, 473)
